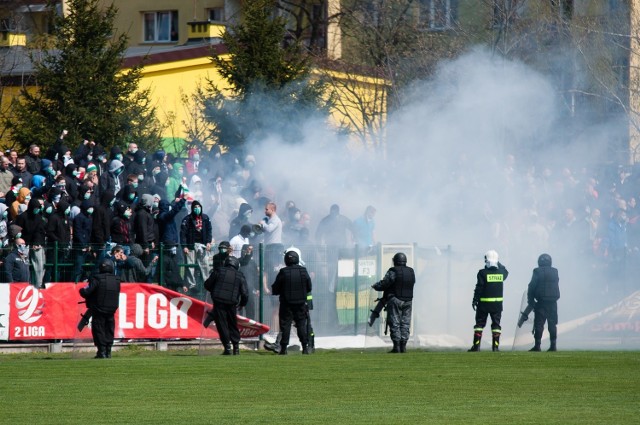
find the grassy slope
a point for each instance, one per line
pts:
(328, 387)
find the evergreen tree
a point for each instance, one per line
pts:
(80, 86)
(271, 88)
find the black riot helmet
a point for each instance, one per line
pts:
(400, 259)
(544, 260)
(106, 266)
(232, 261)
(291, 258)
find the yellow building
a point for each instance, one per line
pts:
(173, 73)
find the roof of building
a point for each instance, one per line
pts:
(16, 61)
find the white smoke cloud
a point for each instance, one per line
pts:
(446, 182)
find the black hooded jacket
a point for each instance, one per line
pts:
(32, 224)
(240, 220)
(189, 233)
(102, 216)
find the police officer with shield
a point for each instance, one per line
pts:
(229, 292)
(487, 300)
(397, 285)
(293, 285)
(103, 298)
(543, 294)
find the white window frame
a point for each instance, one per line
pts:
(162, 22)
(213, 9)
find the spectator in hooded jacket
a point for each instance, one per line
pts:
(121, 226)
(196, 237)
(243, 217)
(144, 225)
(58, 235)
(170, 240)
(139, 169)
(12, 194)
(132, 269)
(34, 234)
(113, 179)
(102, 215)
(82, 226)
(176, 179)
(20, 204)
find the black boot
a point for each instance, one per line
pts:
(236, 349)
(536, 346)
(495, 342)
(283, 350)
(403, 346)
(305, 349)
(227, 350)
(108, 351)
(477, 338)
(396, 347)
(101, 353)
(552, 347)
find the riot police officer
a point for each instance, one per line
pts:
(103, 298)
(487, 300)
(543, 294)
(229, 292)
(293, 285)
(397, 285)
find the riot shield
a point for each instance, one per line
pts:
(523, 336)
(209, 338)
(83, 340)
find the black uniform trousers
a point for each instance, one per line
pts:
(224, 315)
(102, 328)
(481, 320)
(298, 314)
(545, 311)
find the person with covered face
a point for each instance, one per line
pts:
(58, 236)
(397, 286)
(82, 227)
(242, 219)
(121, 226)
(113, 179)
(16, 264)
(144, 226)
(21, 203)
(34, 234)
(170, 240)
(196, 237)
(543, 294)
(487, 300)
(12, 194)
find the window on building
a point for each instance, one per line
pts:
(216, 14)
(438, 14)
(161, 26)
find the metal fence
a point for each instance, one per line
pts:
(341, 278)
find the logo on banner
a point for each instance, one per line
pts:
(29, 304)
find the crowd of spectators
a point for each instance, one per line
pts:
(73, 207)
(77, 205)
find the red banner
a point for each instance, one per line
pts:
(146, 312)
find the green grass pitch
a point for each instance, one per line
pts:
(329, 387)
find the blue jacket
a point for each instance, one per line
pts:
(167, 221)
